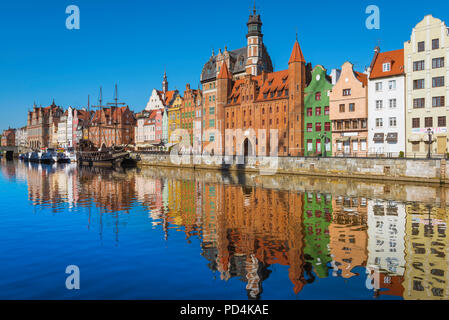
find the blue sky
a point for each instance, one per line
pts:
(132, 42)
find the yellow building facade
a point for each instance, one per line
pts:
(174, 117)
(426, 57)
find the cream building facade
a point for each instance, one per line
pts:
(426, 57)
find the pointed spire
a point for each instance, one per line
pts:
(224, 72)
(53, 103)
(296, 55)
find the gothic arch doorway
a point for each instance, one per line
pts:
(247, 149)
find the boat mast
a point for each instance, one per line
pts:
(115, 104)
(100, 107)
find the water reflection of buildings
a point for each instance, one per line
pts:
(317, 219)
(427, 253)
(248, 229)
(348, 235)
(245, 230)
(386, 220)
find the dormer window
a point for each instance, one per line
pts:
(386, 67)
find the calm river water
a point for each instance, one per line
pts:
(156, 233)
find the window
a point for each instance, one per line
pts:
(379, 104)
(393, 103)
(415, 123)
(211, 137)
(435, 44)
(318, 96)
(421, 46)
(438, 101)
(378, 86)
(351, 107)
(211, 110)
(418, 84)
(212, 123)
(326, 111)
(428, 122)
(392, 84)
(309, 127)
(318, 126)
(386, 67)
(327, 126)
(310, 145)
(379, 122)
(363, 124)
(346, 92)
(441, 121)
(309, 112)
(418, 65)
(392, 121)
(437, 82)
(318, 111)
(437, 63)
(355, 145)
(418, 103)
(342, 108)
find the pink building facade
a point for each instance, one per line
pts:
(349, 113)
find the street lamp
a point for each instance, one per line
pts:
(429, 132)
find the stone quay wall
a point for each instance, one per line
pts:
(395, 169)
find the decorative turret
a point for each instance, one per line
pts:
(254, 44)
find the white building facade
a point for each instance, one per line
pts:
(386, 104)
(22, 137)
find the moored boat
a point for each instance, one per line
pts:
(50, 156)
(70, 154)
(34, 156)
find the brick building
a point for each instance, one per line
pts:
(42, 125)
(241, 91)
(112, 126)
(8, 138)
(191, 112)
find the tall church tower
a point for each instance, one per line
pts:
(165, 83)
(296, 86)
(254, 44)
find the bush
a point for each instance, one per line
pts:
(401, 154)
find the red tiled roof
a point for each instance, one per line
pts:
(169, 96)
(396, 58)
(363, 78)
(296, 55)
(274, 82)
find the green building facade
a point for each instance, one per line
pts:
(317, 125)
(317, 219)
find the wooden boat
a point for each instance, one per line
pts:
(88, 155)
